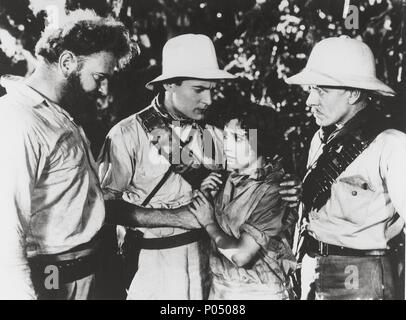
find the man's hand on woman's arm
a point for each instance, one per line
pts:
(123, 213)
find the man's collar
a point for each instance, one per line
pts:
(167, 115)
(367, 118)
(16, 87)
(20, 91)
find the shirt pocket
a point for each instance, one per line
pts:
(355, 194)
(356, 184)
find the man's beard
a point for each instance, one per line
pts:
(80, 104)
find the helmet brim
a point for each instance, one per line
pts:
(195, 74)
(313, 77)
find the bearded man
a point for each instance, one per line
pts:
(50, 199)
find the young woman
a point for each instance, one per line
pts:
(246, 218)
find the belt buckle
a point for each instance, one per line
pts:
(323, 249)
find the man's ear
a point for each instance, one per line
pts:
(68, 62)
(354, 96)
(168, 86)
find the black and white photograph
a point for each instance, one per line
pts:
(202, 153)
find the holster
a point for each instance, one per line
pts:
(130, 252)
(134, 242)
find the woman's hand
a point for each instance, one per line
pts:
(202, 209)
(211, 184)
(291, 191)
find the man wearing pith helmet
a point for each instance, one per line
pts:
(353, 191)
(142, 164)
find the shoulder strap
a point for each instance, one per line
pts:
(150, 119)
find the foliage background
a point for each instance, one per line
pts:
(262, 41)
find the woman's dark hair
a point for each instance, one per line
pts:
(84, 34)
(265, 120)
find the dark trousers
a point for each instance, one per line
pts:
(348, 278)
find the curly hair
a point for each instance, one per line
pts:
(265, 120)
(85, 33)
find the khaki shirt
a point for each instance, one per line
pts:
(365, 197)
(130, 166)
(50, 198)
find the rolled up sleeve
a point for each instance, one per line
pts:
(116, 164)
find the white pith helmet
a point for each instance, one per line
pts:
(190, 56)
(341, 62)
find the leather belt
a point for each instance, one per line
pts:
(74, 264)
(68, 271)
(325, 249)
(136, 237)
